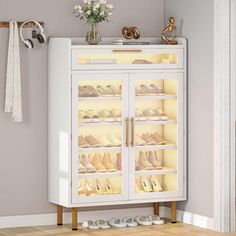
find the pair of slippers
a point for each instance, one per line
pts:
(149, 220)
(122, 223)
(98, 224)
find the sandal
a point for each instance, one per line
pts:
(90, 225)
(102, 224)
(117, 222)
(143, 220)
(156, 186)
(129, 222)
(156, 220)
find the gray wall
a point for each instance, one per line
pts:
(196, 20)
(23, 147)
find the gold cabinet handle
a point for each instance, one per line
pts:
(132, 124)
(127, 132)
(126, 50)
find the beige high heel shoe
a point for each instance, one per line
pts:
(138, 187)
(145, 182)
(156, 184)
(110, 187)
(90, 189)
(81, 188)
(101, 188)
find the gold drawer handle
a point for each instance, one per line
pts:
(132, 122)
(125, 51)
(127, 132)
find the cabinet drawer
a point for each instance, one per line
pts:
(127, 58)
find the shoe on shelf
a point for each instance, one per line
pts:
(106, 161)
(93, 141)
(93, 116)
(92, 91)
(81, 168)
(81, 188)
(101, 187)
(144, 164)
(83, 117)
(157, 89)
(115, 113)
(83, 91)
(138, 186)
(152, 157)
(162, 115)
(105, 115)
(86, 162)
(83, 143)
(90, 189)
(119, 161)
(116, 142)
(96, 161)
(155, 184)
(110, 90)
(105, 142)
(145, 183)
(100, 90)
(110, 187)
(139, 115)
(139, 141)
(149, 139)
(158, 139)
(156, 220)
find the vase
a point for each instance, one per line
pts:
(92, 36)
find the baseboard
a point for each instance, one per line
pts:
(50, 219)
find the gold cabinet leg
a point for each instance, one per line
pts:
(156, 208)
(173, 212)
(74, 218)
(59, 215)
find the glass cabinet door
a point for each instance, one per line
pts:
(156, 155)
(99, 112)
(127, 58)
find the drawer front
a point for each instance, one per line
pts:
(83, 59)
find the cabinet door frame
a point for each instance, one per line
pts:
(181, 140)
(74, 168)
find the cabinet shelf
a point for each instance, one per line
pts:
(102, 123)
(101, 98)
(101, 149)
(98, 175)
(163, 171)
(155, 122)
(157, 97)
(155, 147)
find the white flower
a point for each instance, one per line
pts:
(101, 13)
(103, 1)
(97, 5)
(88, 12)
(87, 1)
(110, 6)
(109, 13)
(77, 7)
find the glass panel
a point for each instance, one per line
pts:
(127, 59)
(100, 137)
(155, 183)
(156, 135)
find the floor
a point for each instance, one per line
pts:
(162, 230)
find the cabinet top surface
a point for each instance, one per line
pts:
(107, 43)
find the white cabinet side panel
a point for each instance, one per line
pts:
(59, 121)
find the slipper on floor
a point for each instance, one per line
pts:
(143, 220)
(156, 220)
(129, 222)
(90, 225)
(102, 224)
(117, 222)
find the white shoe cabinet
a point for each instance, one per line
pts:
(81, 79)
